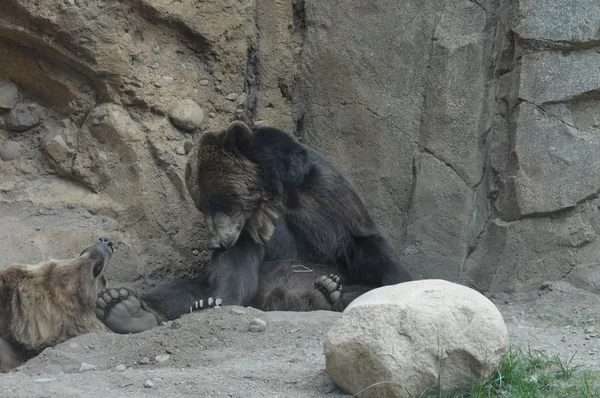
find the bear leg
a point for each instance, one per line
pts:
(123, 312)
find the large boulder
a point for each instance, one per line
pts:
(416, 336)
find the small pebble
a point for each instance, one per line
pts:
(212, 115)
(176, 324)
(85, 367)
(155, 65)
(120, 368)
(187, 115)
(9, 94)
(144, 361)
(195, 252)
(168, 79)
(590, 330)
(231, 97)
(257, 325)
(156, 49)
(148, 384)
(238, 311)
(162, 358)
(21, 118)
(203, 82)
(10, 150)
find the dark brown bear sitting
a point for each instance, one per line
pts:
(270, 203)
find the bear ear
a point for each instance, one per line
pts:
(237, 137)
(187, 146)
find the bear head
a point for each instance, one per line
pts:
(225, 186)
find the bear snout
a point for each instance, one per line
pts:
(108, 244)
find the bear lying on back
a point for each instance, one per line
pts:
(270, 204)
(45, 304)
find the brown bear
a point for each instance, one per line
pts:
(46, 304)
(278, 214)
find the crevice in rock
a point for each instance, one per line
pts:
(553, 116)
(558, 45)
(198, 43)
(298, 22)
(251, 80)
(449, 165)
(480, 5)
(563, 212)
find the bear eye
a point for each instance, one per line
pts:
(223, 203)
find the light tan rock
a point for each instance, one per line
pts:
(415, 336)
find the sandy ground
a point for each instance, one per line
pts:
(213, 353)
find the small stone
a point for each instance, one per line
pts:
(85, 88)
(144, 361)
(238, 311)
(120, 368)
(148, 384)
(84, 40)
(176, 324)
(212, 115)
(257, 325)
(156, 49)
(297, 50)
(563, 339)
(181, 151)
(592, 335)
(187, 115)
(86, 367)
(590, 330)
(9, 94)
(162, 358)
(10, 150)
(231, 97)
(203, 82)
(242, 99)
(195, 252)
(57, 148)
(155, 65)
(168, 79)
(44, 66)
(21, 118)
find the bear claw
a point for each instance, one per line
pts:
(205, 304)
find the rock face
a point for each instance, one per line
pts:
(413, 338)
(469, 128)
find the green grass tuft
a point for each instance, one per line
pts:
(532, 374)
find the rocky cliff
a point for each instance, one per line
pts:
(470, 127)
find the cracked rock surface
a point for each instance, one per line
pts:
(469, 128)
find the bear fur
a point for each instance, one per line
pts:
(45, 304)
(271, 204)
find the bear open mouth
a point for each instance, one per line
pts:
(108, 243)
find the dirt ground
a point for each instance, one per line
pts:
(213, 353)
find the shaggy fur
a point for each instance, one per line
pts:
(270, 204)
(45, 304)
